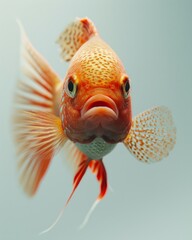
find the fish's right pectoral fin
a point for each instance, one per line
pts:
(39, 85)
(74, 36)
(38, 136)
(37, 128)
(152, 135)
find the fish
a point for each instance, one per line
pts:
(87, 113)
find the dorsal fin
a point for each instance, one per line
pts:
(74, 36)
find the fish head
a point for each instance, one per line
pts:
(96, 99)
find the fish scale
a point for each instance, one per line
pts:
(99, 64)
(97, 149)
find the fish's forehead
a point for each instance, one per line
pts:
(97, 64)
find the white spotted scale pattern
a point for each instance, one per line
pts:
(100, 65)
(97, 149)
(152, 135)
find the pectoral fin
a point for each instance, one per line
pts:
(39, 84)
(38, 137)
(37, 129)
(152, 135)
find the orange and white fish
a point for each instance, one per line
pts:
(90, 112)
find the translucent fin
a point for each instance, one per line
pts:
(152, 135)
(111, 188)
(54, 223)
(84, 223)
(81, 169)
(37, 130)
(39, 90)
(74, 36)
(72, 156)
(38, 136)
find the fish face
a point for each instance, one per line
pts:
(96, 112)
(97, 96)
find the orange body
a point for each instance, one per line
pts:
(96, 71)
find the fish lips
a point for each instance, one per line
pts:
(99, 110)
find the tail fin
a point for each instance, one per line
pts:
(74, 36)
(37, 130)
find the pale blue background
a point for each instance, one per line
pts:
(150, 202)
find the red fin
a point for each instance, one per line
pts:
(83, 163)
(79, 174)
(76, 159)
(80, 163)
(98, 168)
(74, 36)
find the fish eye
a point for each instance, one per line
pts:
(125, 86)
(71, 88)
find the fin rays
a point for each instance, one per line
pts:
(38, 138)
(37, 92)
(74, 36)
(152, 135)
(37, 131)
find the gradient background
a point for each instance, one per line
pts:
(150, 202)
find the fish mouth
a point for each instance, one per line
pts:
(100, 106)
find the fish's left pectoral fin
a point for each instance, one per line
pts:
(152, 135)
(38, 136)
(37, 129)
